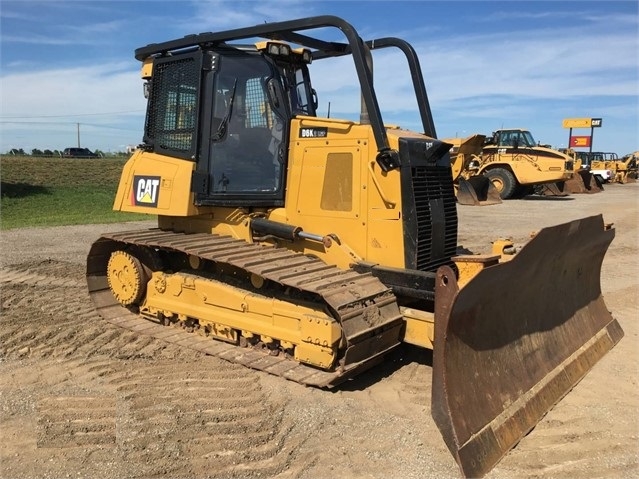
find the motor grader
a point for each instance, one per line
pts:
(310, 247)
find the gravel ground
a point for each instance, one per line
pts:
(82, 398)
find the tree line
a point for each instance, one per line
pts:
(58, 153)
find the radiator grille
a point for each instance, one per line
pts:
(436, 214)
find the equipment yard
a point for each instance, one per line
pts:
(83, 398)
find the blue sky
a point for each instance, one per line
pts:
(487, 65)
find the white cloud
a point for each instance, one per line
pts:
(53, 101)
(471, 77)
(72, 91)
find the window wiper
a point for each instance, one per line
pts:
(221, 129)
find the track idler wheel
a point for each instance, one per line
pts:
(127, 278)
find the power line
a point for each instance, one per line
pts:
(67, 116)
(39, 122)
(94, 125)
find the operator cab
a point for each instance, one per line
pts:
(511, 139)
(229, 110)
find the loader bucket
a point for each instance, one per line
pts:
(583, 181)
(516, 338)
(592, 182)
(552, 189)
(477, 191)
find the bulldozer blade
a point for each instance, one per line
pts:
(477, 191)
(516, 338)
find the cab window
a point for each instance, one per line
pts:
(247, 131)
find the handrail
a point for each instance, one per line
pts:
(379, 187)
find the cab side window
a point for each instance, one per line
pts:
(247, 136)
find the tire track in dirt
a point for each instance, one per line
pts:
(55, 317)
(127, 399)
(213, 420)
(68, 421)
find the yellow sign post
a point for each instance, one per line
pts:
(577, 123)
(582, 123)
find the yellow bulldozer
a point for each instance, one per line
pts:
(310, 247)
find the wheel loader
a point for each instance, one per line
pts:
(609, 168)
(310, 247)
(626, 168)
(471, 187)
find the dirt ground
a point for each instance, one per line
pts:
(81, 398)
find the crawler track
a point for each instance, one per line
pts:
(365, 308)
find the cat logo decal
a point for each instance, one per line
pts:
(146, 190)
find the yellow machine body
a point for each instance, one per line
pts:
(530, 168)
(332, 187)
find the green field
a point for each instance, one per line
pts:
(59, 191)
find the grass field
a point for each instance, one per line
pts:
(59, 191)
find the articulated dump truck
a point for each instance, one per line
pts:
(518, 166)
(510, 164)
(310, 247)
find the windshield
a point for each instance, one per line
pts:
(526, 139)
(521, 138)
